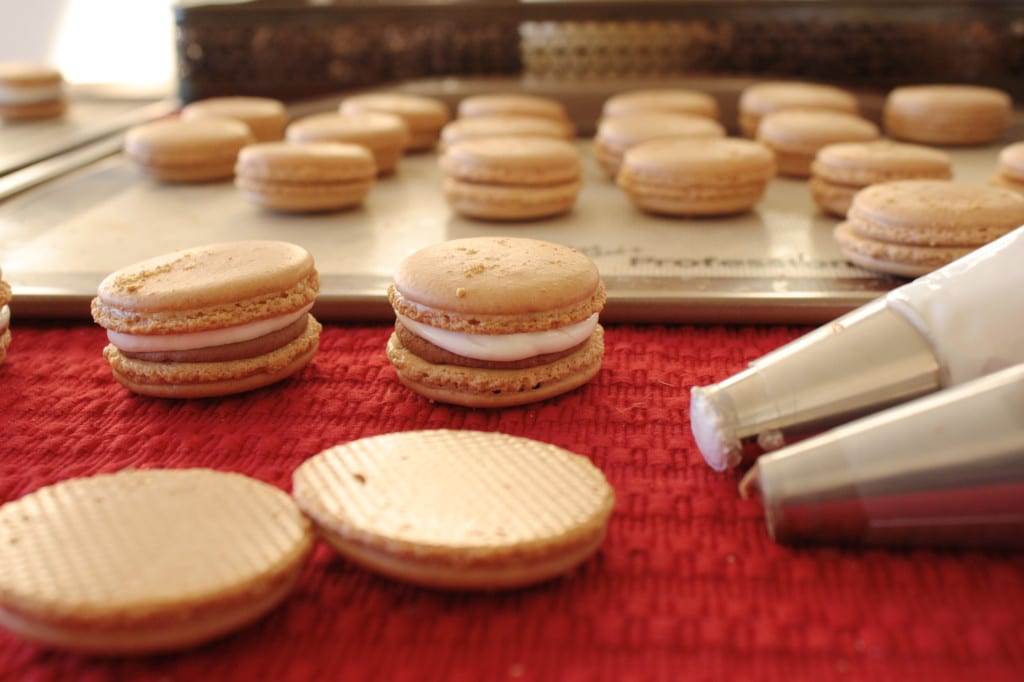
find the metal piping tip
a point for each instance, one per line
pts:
(944, 470)
(867, 360)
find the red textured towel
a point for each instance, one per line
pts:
(687, 585)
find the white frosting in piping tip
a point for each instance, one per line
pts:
(139, 343)
(29, 94)
(504, 347)
(721, 449)
(5, 318)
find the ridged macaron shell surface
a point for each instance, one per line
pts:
(457, 509)
(147, 560)
(497, 285)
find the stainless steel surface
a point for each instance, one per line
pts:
(778, 263)
(944, 470)
(860, 363)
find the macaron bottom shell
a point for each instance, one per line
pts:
(477, 387)
(34, 110)
(904, 260)
(522, 202)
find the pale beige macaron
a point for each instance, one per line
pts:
(511, 178)
(265, 116)
(500, 126)
(763, 98)
(425, 116)
(30, 91)
(696, 177)
(796, 135)
(841, 170)
(174, 150)
(617, 134)
(1010, 168)
(386, 135)
(517, 104)
(667, 100)
(147, 560)
(947, 114)
(459, 510)
(911, 227)
(305, 177)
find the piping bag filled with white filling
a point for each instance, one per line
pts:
(943, 329)
(943, 470)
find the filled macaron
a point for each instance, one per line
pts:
(211, 320)
(5, 317)
(496, 321)
(30, 91)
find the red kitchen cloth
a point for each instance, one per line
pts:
(687, 586)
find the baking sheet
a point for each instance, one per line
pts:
(777, 263)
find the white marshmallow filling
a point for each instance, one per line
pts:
(504, 347)
(5, 318)
(149, 343)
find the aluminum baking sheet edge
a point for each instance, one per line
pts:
(775, 264)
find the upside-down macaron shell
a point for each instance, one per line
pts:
(143, 561)
(497, 285)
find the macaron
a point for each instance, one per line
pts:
(425, 116)
(30, 91)
(796, 135)
(947, 114)
(211, 320)
(1010, 168)
(617, 134)
(763, 98)
(696, 177)
(385, 135)
(667, 100)
(304, 178)
(201, 150)
(841, 170)
(500, 126)
(511, 178)
(148, 560)
(496, 321)
(465, 510)
(5, 316)
(266, 117)
(911, 227)
(517, 104)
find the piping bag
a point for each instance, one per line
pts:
(943, 329)
(944, 470)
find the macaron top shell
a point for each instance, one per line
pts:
(425, 112)
(770, 96)
(700, 160)
(218, 285)
(1011, 160)
(807, 130)
(511, 104)
(179, 142)
(501, 126)
(313, 162)
(854, 162)
(925, 99)
(513, 160)
(628, 129)
(231, 107)
(936, 212)
(369, 127)
(19, 73)
(497, 285)
(669, 100)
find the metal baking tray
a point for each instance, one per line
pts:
(777, 263)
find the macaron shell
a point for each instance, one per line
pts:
(135, 549)
(498, 203)
(904, 260)
(214, 379)
(424, 116)
(488, 284)
(1011, 162)
(762, 98)
(476, 387)
(947, 114)
(386, 135)
(265, 117)
(187, 151)
(615, 135)
(26, 112)
(864, 163)
(512, 104)
(464, 509)
(935, 213)
(500, 126)
(513, 161)
(661, 100)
